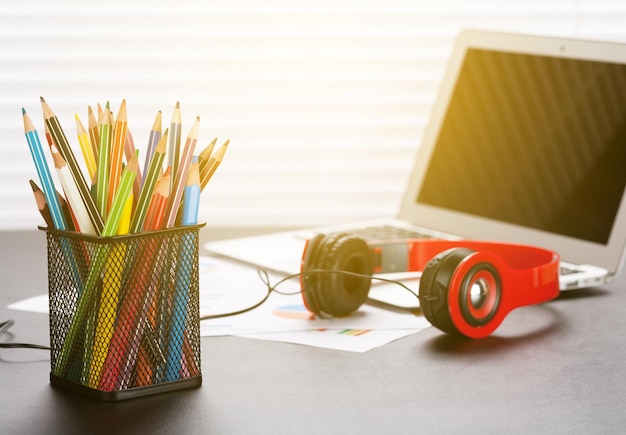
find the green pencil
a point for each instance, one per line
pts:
(150, 179)
(85, 302)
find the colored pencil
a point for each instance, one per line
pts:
(153, 141)
(149, 184)
(117, 152)
(174, 353)
(144, 371)
(190, 358)
(42, 205)
(65, 208)
(109, 299)
(192, 195)
(66, 152)
(204, 159)
(181, 175)
(173, 147)
(129, 152)
(210, 168)
(130, 321)
(60, 215)
(102, 182)
(94, 133)
(78, 207)
(205, 154)
(154, 221)
(87, 149)
(119, 200)
(158, 204)
(86, 300)
(44, 173)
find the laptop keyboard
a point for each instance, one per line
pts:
(564, 270)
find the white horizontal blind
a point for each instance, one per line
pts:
(324, 102)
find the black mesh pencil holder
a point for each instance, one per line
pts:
(124, 312)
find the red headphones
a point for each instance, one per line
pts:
(467, 287)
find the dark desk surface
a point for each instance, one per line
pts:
(554, 368)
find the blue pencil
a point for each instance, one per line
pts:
(191, 195)
(43, 171)
(183, 277)
(50, 193)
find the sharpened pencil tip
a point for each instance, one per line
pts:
(23, 111)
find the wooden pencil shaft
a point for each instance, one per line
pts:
(66, 152)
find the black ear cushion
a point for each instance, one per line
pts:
(310, 281)
(434, 286)
(339, 294)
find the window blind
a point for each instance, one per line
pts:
(324, 102)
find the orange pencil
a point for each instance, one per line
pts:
(156, 210)
(154, 221)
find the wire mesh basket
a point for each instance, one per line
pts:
(124, 312)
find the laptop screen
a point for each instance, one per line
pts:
(533, 140)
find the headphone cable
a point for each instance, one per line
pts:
(4, 327)
(272, 288)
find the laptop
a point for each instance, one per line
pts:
(526, 144)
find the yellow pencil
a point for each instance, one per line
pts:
(99, 341)
(87, 149)
(207, 171)
(109, 299)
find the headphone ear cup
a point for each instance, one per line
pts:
(341, 294)
(310, 282)
(330, 293)
(434, 288)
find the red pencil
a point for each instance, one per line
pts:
(158, 204)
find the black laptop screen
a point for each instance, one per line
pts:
(533, 140)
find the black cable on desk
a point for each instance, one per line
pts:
(4, 327)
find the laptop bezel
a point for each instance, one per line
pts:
(609, 256)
